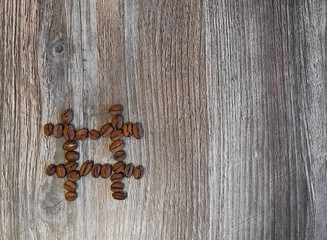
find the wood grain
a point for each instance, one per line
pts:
(232, 96)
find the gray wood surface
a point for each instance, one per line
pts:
(232, 95)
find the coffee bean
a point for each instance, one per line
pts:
(61, 171)
(128, 129)
(117, 177)
(128, 171)
(70, 145)
(67, 116)
(86, 168)
(51, 169)
(57, 130)
(48, 129)
(116, 109)
(120, 155)
(105, 170)
(73, 176)
(72, 156)
(70, 186)
(119, 195)
(117, 122)
(69, 132)
(106, 129)
(116, 146)
(138, 172)
(138, 130)
(116, 135)
(94, 134)
(96, 169)
(117, 186)
(70, 166)
(81, 134)
(118, 167)
(71, 196)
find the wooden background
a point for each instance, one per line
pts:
(232, 95)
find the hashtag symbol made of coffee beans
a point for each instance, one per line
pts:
(116, 130)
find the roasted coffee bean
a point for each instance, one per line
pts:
(116, 146)
(70, 186)
(51, 169)
(70, 145)
(117, 177)
(106, 129)
(85, 168)
(67, 116)
(57, 130)
(71, 196)
(48, 129)
(138, 172)
(61, 171)
(128, 129)
(116, 135)
(105, 170)
(70, 166)
(94, 134)
(120, 155)
(119, 195)
(117, 186)
(116, 109)
(73, 176)
(72, 156)
(138, 130)
(117, 122)
(118, 167)
(128, 171)
(96, 170)
(69, 132)
(81, 134)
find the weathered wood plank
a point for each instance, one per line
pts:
(262, 125)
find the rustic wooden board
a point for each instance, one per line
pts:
(232, 96)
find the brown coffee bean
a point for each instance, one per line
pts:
(138, 130)
(117, 122)
(116, 109)
(118, 167)
(73, 176)
(106, 129)
(70, 166)
(117, 177)
(70, 186)
(116, 146)
(117, 186)
(128, 171)
(69, 132)
(120, 155)
(94, 134)
(67, 116)
(81, 134)
(86, 168)
(61, 171)
(119, 195)
(57, 130)
(71, 196)
(72, 156)
(138, 172)
(51, 169)
(96, 170)
(48, 129)
(105, 170)
(116, 135)
(70, 145)
(128, 129)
